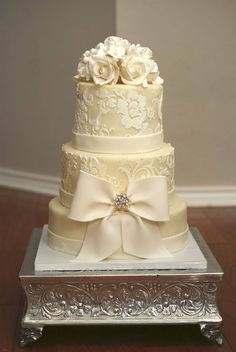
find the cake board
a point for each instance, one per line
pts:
(124, 296)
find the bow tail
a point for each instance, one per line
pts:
(142, 238)
(102, 239)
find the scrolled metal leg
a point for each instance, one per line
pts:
(30, 334)
(213, 332)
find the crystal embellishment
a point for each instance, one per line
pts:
(122, 202)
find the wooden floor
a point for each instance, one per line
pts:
(20, 212)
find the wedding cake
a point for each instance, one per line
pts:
(117, 198)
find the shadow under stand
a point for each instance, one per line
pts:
(120, 296)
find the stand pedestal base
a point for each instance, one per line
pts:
(120, 297)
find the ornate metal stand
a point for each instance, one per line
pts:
(120, 297)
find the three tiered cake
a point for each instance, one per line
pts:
(117, 197)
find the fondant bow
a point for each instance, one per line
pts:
(127, 221)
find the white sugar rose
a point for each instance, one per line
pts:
(83, 68)
(103, 70)
(158, 80)
(100, 50)
(137, 50)
(116, 47)
(135, 70)
(83, 72)
(153, 76)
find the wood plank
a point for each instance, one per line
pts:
(8, 324)
(227, 305)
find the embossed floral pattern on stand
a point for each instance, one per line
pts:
(122, 300)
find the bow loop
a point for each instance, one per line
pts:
(93, 198)
(149, 198)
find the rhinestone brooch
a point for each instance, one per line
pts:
(122, 202)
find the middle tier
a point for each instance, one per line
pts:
(118, 169)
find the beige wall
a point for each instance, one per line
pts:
(41, 43)
(194, 42)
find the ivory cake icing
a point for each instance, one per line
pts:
(117, 198)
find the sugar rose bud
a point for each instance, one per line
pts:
(116, 47)
(83, 71)
(138, 50)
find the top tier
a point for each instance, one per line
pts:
(119, 98)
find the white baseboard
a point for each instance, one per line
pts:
(195, 196)
(29, 182)
(206, 196)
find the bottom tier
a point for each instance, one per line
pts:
(67, 235)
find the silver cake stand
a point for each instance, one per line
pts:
(121, 296)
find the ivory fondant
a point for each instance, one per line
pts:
(63, 244)
(117, 145)
(118, 169)
(117, 138)
(118, 110)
